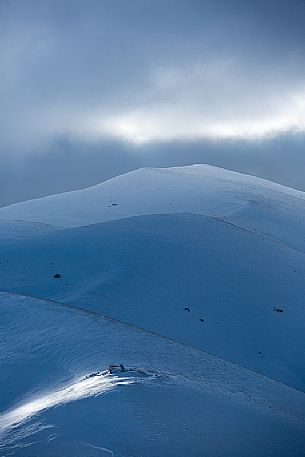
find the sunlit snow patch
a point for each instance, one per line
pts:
(82, 388)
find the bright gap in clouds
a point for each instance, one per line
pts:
(217, 100)
(144, 126)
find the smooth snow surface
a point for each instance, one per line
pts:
(19, 230)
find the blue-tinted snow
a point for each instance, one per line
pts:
(195, 404)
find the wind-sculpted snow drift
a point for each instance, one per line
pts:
(82, 388)
(149, 271)
(180, 399)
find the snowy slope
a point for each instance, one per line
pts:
(254, 203)
(21, 229)
(192, 276)
(146, 270)
(183, 402)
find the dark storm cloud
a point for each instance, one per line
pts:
(127, 83)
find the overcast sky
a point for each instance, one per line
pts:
(91, 89)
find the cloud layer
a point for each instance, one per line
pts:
(150, 71)
(136, 74)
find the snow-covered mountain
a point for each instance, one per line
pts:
(166, 272)
(251, 202)
(193, 279)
